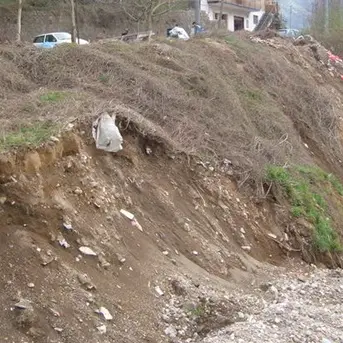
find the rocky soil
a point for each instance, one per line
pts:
(297, 307)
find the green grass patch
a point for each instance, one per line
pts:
(30, 135)
(53, 96)
(240, 45)
(306, 188)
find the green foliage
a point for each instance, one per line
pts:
(302, 185)
(32, 135)
(53, 96)
(104, 78)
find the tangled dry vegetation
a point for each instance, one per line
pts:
(224, 98)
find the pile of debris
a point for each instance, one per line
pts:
(332, 62)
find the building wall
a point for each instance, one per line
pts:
(231, 13)
(250, 21)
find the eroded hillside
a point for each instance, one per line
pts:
(231, 166)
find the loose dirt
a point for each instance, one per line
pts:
(212, 263)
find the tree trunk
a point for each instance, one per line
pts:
(20, 9)
(220, 15)
(73, 21)
(77, 23)
(149, 21)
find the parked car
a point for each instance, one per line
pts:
(50, 40)
(290, 33)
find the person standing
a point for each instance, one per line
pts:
(196, 28)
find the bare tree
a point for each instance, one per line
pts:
(20, 10)
(147, 10)
(73, 21)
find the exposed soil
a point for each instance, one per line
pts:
(200, 266)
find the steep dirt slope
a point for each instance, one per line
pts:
(188, 222)
(201, 122)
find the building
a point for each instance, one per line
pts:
(236, 14)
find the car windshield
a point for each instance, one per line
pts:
(62, 36)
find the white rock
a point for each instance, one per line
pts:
(106, 313)
(88, 251)
(159, 291)
(63, 243)
(67, 226)
(78, 191)
(31, 285)
(195, 253)
(127, 214)
(246, 247)
(102, 329)
(170, 331)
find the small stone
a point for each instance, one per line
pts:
(148, 150)
(62, 242)
(31, 285)
(55, 313)
(121, 259)
(86, 281)
(23, 304)
(242, 230)
(301, 278)
(54, 139)
(87, 251)
(78, 191)
(241, 315)
(106, 313)
(67, 226)
(277, 320)
(103, 263)
(102, 329)
(58, 329)
(159, 291)
(2, 199)
(171, 331)
(195, 253)
(166, 253)
(246, 247)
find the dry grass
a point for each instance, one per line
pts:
(216, 98)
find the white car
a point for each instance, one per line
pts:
(50, 40)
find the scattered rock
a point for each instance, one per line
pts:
(170, 331)
(159, 291)
(246, 247)
(103, 263)
(195, 253)
(87, 251)
(59, 330)
(86, 281)
(68, 226)
(78, 191)
(2, 199)
(31, 285)
(102, 329)
(132, 218)
(62, 242)
(23, 304)
(105, 313)
(121, 259)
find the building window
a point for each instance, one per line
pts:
(216, 16)
(255, 19)
(247, 23)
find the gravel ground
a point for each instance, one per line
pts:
(306, 309)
